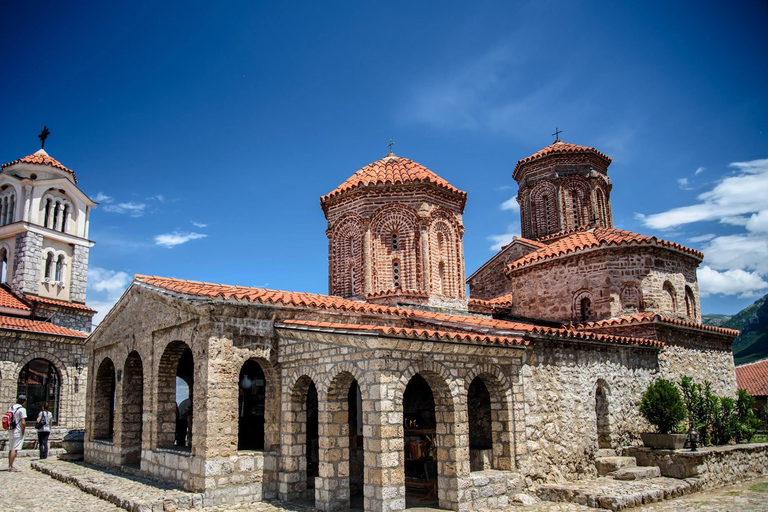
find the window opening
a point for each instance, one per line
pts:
(3, 265)
(59, 267)
(395, 243)
(49, 266)
(586, 309)
(252, 400)
(396, 274)
(480, 423)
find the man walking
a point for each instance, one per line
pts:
(17, 434)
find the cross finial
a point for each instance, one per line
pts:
(557, 134)
(43, 135)
(391, 143)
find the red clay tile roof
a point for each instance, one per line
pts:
(753, 377)
(424, 334)
(40, 157)
(62, 303)
(560, 148)
(592, 336)
(649, 317)
(392, 170)
(476, 324)
(23, 324)
(397, 292)
(535, 243)
(593, 238)
(9, 300)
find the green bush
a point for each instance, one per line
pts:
(662, 406)
(748, 422)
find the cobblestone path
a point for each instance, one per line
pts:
(32, 490)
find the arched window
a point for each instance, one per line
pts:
(670, 297)
(690, 303)
(104, 401)
(351, 280)
(480, 423)
(585, 309)
(630, 298)
(49, 266)
(602, 213)
(40, 381)
(575, 208)
(440, 242)
(59, 269)
(7, 207)
(251, 409)
(3, 265)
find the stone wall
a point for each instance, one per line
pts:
(560, 383)
(27, 261)
(489, 281)
(489, 490)
(78, 320)
(79, 274)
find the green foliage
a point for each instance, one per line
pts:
(662, 406)
(752, 321)
(745, 412)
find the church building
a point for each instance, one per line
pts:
(396, 389)
(43, 270)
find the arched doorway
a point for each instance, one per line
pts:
(312, 441)
(175, 393)
(602, 415)
(420, 428)
(356, 453)
(251, 407)
(480, 426)
(104, 401)
(40, 381)
(132, 409)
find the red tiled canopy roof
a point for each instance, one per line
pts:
(560, 148)
(9, 300)
(23, 324)
(649, 317)
(392, 170)
(62, 303)
(593, 238)
(40, 157)
(753, 377)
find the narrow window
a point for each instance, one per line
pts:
(49, 266)
(395, 242)
(4, 211)
(441, 279)
(545, 200)
(59, 266)
(12, 212)
(586, 309)
(47, 212)
(64, 219)
(396, 274)
(575, 207)
(3, 265)
(440, 242)
(351, 279)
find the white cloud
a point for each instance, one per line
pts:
(511, 204)
(758, 222)
(171, 240)
(159, 198)
(199, 224)
(500, 241)
(683, 184)
(103, 198)
(698, 171)
(132, 209)
(744, 192)
(104, 288)
(702, 238)
(731, 282)
(745, 251)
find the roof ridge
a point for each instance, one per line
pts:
(764, 360)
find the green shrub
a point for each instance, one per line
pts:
(748, 423)
(662, 406)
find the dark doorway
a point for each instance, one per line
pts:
(312, 449)
(419, 429)
(356, 462)
(40, 381)
(251, 407)
(602, 415)
(480, 423)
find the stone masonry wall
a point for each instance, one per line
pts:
(490, 282)
(27, 260)
(79, 274)
(71, 319)
(560, 384)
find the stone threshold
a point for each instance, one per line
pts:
(52, 452)
(607, 493)
(127, 492)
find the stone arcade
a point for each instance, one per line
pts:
(44, 222)
(397, 390)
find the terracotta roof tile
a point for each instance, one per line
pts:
(753, 377)
(592, 336)
(62, 303)
(392, 170)
(9, 300)
(23, 324)
(40, 157)
(425, 334)
(650, 317)
(593, 238)
(560, 148)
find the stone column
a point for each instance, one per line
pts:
(332, 484)
(367, 257)
(426, 263)
(384, 477)
(292, 474)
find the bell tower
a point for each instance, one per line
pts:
(563, 188)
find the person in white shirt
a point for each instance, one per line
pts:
(45, 418)
(17, 435)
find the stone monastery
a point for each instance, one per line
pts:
(44, 221)
(397, 389)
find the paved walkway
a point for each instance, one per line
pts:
(33, 490)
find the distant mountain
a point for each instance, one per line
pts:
(752, 321)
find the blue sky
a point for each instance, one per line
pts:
(208, 131)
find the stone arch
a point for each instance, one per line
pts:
(177, 360)
(602, 393)
(544, 214)
(669, 295)
(445, 268)
(690, 304)
(104, 401)
(297, 478)
(582, 306)
(40, 378)
(576, 203)
(271, 400)
(501, 416)
(132, 409)
(444, 444)
(347, 272)
(399, 220)
(631, 297)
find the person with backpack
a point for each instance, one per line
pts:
(43, 426)
(19, 426)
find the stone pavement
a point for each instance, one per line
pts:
(33, 490)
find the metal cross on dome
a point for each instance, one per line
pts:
(557, 133)
(43, 135)
(391, 143)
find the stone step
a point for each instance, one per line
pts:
(605, 452)
(34, 452)
(637, 473)
(607, 493)
(607, 465)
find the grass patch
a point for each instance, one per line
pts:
(759, 487)
(759, 438)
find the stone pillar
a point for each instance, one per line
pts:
(27, 262)
(79, 276)
(367, 258)
(292, 474)
(332, 484)
(384, 478)
(425, 250)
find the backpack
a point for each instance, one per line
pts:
(9, 419)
